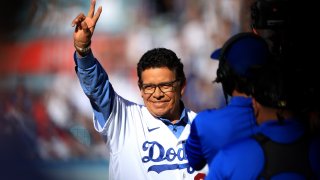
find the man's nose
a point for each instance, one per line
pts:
(158, 92)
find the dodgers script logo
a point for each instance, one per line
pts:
(169, 155)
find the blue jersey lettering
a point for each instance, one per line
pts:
(169, 155)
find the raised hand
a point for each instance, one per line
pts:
(85, 26)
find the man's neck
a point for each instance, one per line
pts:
(267, 114)
(237, 93)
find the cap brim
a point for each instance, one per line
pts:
(216, 54)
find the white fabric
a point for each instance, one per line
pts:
(132, 134)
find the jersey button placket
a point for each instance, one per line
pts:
(174, 128)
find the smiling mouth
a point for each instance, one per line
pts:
(159, 103)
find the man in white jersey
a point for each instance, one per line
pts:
(145, 142)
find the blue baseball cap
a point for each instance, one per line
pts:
(242, 52)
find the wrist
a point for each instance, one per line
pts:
(82, 49)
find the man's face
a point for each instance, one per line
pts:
(165, 100)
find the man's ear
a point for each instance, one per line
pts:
(256, 107)
(141, 93)
(183, 87)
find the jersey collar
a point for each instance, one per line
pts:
(182, 120)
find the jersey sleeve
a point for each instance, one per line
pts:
(95, 83)
(193, 149)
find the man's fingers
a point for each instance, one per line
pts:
(92, 7)
(78, 19)
(97, 15)
(84, 26)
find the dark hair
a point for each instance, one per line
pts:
(270, 87)
(276, 87)
(160, 57)
(232, 81)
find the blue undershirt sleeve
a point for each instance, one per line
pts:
(95, 83)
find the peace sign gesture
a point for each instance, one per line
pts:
(85, 26)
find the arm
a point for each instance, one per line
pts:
(193, 149)
(93, 78)
(96, 85)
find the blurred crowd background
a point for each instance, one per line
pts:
(45, 116)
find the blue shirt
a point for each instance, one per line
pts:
(212, 130)
(245, 159)
(178, 127)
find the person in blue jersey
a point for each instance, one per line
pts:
(283, 149)
(144, 141)
(213, 129)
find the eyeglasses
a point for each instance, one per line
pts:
(164, 87)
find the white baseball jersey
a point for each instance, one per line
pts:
(141, 146)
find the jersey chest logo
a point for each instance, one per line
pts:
(167, 155)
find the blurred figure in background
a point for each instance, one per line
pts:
(18, 138)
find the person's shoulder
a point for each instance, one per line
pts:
(207, 117)
(209, 114)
